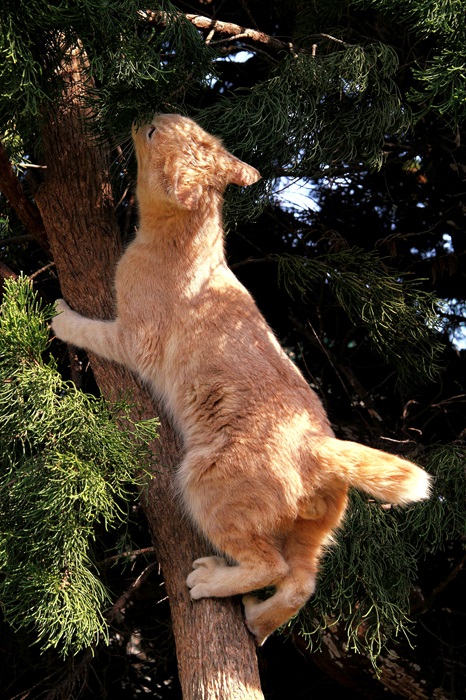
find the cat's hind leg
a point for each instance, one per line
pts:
(260, 564)
(302, 551)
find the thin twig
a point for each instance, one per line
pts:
(251, 261)
(25, 693)
(16, 239)
(75, 366)
(120, 603)
(332, 38)
(363, 395)
(235, 37)
(427, 602)
(42, 269)
(246, 9)
(76, 676)
(130, 553)
(32, 165)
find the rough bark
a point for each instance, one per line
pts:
(216, 655)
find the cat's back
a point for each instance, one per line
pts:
(201, 339)
(231, 358)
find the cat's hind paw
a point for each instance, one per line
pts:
(209, 562)
(253, 608)
(200, 578)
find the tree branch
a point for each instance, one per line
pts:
(130, 554)
(17, 240)
(426, 603)
(121, 602)
(363, 395)
(398, 676)
(41, 270)
(227, 29)
(5, 273)
(13, 190)
(74, 679)
(234, 32)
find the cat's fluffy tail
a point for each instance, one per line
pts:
(380, 474)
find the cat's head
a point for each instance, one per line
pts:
(180, 162)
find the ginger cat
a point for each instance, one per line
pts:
(263, 477)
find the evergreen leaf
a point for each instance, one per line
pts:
(68, 463)
(401, 318)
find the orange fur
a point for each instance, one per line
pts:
(263, 476)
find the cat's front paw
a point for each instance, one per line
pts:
(61, 306)
(59, 322)
(200, 579)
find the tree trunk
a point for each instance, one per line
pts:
(216, 655)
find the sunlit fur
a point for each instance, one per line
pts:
(262, 476)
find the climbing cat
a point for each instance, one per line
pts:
(262, 476)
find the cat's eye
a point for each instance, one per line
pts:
(150, 132)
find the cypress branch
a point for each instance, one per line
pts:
(401, 318)
(441, 79)
(67, 465)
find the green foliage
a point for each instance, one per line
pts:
(367, 576)
(66, 469)
(316, 16)
(365, 580)
(401, 318)
(443, 517)
(138, 67)
(310, 115)
(150, 70)
(441, 80)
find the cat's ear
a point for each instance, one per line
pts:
(183, 184)
(187, 193)
(240, 173)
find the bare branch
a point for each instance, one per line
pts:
(363, 395)
(121, 602)
(235, 32)
(227, 29)
(426, 602)
(73, 680)
(25, 238)
(130, 554)
(5, 273)
(41, 270)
